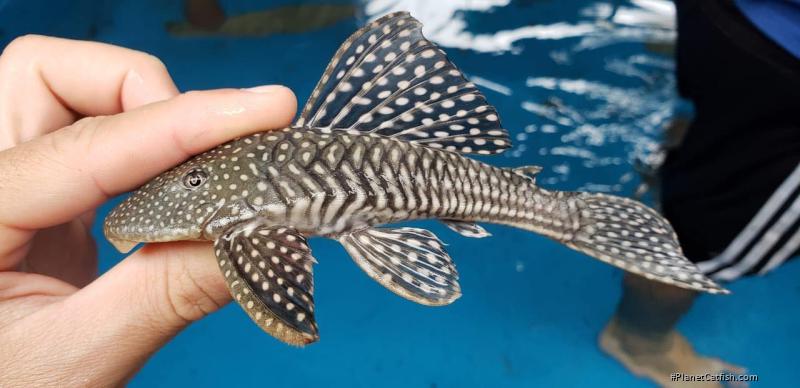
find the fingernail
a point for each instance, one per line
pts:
(264, 89)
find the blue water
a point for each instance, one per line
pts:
(586, 90)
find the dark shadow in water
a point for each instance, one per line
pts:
(289, 19)
(649, 174)
(662, 48)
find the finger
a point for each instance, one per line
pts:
(59, 79)
(15, 285)
(55, 177)
(119, 320)
(66, 252)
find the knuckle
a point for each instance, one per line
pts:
(19, 51)
(151, 61)
(23, 44)
(81, 135)
(81, 138)
(87, 123)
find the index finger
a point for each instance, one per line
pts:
(61, 79)
(55, 177)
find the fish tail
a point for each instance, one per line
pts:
(624, 233)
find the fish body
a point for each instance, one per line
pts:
(324, 184)
(383, 139)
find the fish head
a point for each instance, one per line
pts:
(173, 206)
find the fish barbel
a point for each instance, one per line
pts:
(382, 139)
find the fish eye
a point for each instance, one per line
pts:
(194, 178)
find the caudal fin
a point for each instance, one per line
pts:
(631, 236)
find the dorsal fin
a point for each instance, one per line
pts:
(389, 80)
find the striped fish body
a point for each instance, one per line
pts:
(384, 137)
(330, 183)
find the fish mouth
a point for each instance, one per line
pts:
(125, 236)
(122, 246)
(125, 245)
(125, 240)
(121, 238)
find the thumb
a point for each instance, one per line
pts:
(118, 321)
(160, 288)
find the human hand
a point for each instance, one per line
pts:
(81, 122)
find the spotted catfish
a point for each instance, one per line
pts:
(382, 139)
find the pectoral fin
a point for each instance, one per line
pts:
(468, 229)
(410, 262)
(269, 273)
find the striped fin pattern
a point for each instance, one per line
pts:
(410, 262)
(269, 272)
(389, 80)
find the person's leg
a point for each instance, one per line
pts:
(638, 314)
(642, 334)
(710, 189)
